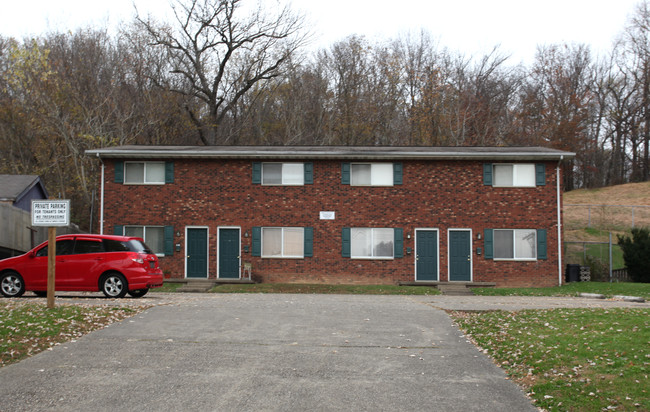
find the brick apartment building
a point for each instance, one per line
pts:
(375, 215)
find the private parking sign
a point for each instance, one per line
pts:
(50, 213)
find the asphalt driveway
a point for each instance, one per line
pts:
(251, 352)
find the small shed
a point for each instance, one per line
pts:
(20, 190)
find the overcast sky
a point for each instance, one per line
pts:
(472, 27)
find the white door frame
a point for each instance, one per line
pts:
(207, 251)
(471, 254)
(415, 252)
(217, 251)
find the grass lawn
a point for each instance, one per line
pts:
(573, 289)
(570, 359)
(27, 328)
(326, 289)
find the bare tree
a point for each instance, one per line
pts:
(215, 56)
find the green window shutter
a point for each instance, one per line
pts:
(257, 173)
(397, 173)
(540, 174)
(541, 244)
(345, 242)
(309, 242)
(345, 173)
(256, 248)
(399, 242)
(488, 243)
(119, 172)
(118, 230)
(487, 174)
(309, 173)
(168, 240)
(169, 172)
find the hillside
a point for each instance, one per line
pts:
(628, 194)
(617, 219)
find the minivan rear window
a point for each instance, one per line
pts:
(132, 245)
(138, 246)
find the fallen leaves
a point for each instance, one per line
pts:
(28, 327)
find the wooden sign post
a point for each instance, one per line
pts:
(52, 214)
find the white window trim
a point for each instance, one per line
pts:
(514, 172)
(144, 235)
(392, 180)
(372, 231)
(144, 171)
(282, 174)
(282, 256)
(514, 243)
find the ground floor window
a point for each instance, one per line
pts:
(153, 236)
(515, 244)
(287, 242)
(372, 242)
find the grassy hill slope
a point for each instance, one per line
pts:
(606, 215)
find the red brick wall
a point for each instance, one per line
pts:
(434, 194)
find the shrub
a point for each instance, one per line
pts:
(636, 253)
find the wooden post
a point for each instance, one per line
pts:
(51, 265)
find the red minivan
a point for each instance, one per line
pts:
(115, 265)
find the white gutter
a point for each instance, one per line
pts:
(101, 200)
(559, 223)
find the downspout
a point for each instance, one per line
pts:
(559, 222)
(101, 199)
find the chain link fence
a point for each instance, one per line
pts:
(604, 259)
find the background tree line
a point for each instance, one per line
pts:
(218, 75)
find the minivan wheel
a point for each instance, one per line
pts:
(113, 285)
(11, 284)
(138, 293)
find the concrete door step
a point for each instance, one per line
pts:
(196, 286)
(455, 290)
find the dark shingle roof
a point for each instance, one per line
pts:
(332, 152)
(12, 187)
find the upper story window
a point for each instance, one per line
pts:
(371, 174)
(144, 173)
(514, 175)
(283, 174)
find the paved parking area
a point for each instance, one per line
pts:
(266, 352)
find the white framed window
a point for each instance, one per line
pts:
(154, 236)
(283, 242)
(515, 244)
(288, 174)
(368, 243)
(152, 173)
(514, 175)
(371, 174)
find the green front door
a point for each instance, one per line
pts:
(426, 255)
(229, 253)
(197, 253)
(460, 256)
